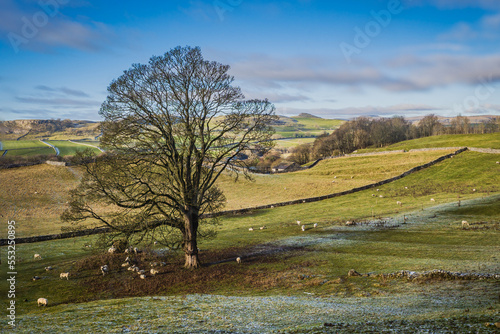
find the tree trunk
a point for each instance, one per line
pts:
(191, 219)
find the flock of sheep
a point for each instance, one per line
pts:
(44, 301)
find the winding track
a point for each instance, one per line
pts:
(55, 148)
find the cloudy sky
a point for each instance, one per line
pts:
(334, 59)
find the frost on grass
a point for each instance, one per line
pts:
(223, 314)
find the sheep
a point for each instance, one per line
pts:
(406, 187)
(125, 264)
(498, 162)
(112, 249)
(137, 250)
(465, 223)
(141, 272)
(63, 275)
(42, 301)
(127, 259)
(49, 268)
(104, 269)
(88, 246)
(155, 242)
(263, 227)
(298, 222)
(433, 200)
(142, 276)
(154, 271)
(381, 196)
(315, 225)
(250, 229)
(238, 259)
(37, 257)
(131, 268)
(352, 177)
(34, 278)
(378, 189)
(399, 203)
(473, 190)
(153, 264)
(349, 223)
(303, 228)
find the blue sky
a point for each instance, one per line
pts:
(332, 59)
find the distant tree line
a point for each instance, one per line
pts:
(364, 132)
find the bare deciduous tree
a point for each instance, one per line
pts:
(171, 127)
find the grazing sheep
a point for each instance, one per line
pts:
(303, 228)
(334, 177)
(88, 246)
(298, 222)
(349, 223)
(315, 225)
(137, 250)
(125, 264)
(131, 268)
(153, 264)
(381, 196)
(34, 278)
(399, 203)
(104, 269)
(378, 189)
(112, 249)
(465, 223)
(373, 195)
(155, 243)
(473, 189)
(263, 227)
(63, 275)
(352, 177)
(433, 200)
(498, 162)
(142, 276)
(406, 187)
(42, 301)
(250, 229)
(127, 259)
(154, 271)
(37, 257)
(49, 268)
(141, 272)
(238, 259)
(127, 251)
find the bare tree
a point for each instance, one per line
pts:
(171, 127)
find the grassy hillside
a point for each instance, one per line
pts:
(490, 140)
(329, 176)
(284, 267)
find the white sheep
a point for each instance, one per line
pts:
(37, 257)
(154, 271)
(473, 189)
(381, 196)
(238, 259)
(498, 162)
(155, 243)
(303, 228)
(433, 200)
(42, 301)
(263, 227)
(399, 203)
(125, 264)
(141, 272)
(298, 222)
(142, 276)
(34, 278)
(349, 223)
(127, 259)
(49, 268)
(315, 225)
(406, 187)
(104, 269)
(465, 223)
(250, 229)
(63, 275)
(112, 249)
(132, 268)
(153, 264)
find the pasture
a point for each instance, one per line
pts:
(289, 280)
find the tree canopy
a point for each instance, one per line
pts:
(171, 128)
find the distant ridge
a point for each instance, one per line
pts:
(306, 115)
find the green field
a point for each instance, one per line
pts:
(289, 281)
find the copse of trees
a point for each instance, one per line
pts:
(363, 132)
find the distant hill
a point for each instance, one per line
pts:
(35, 128)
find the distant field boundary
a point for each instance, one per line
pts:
(247, 210)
